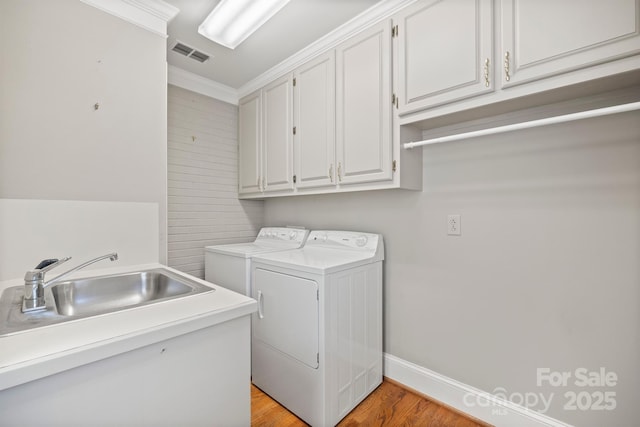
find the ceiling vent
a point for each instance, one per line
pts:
(190, 52)
(199, 56)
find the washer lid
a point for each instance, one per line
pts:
(269, 239)
(247, 250)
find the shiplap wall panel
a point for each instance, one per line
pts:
(203, 205)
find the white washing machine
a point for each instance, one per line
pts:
(317, 337)
(230, 265)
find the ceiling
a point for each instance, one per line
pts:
(297, 25)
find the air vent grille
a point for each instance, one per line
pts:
(190, 52)
(199, 56)
(183, 49)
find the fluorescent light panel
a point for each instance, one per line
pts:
(232, 21)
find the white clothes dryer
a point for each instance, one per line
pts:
(230, 265)
(317, 336)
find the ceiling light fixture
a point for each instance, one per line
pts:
(232, 21)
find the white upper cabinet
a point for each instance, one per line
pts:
(249, 141)
(363, 107)
(542, 39)
(314, 121)
(277, 135)
(444, 52)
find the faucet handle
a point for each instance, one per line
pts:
(46, 262)
(48, 265)
(44, 266)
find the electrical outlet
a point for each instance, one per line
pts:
(453, 225)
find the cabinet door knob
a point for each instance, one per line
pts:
(507, 76)
(331, 172)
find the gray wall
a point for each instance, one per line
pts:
(203, 180)
(544, 275)
(59, 58)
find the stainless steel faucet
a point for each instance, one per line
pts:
(34, 283)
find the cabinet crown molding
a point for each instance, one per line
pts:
(371, 16)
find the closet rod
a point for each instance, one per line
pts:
(531, 124)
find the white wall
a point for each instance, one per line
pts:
(544, 275)
(80, 229)
(203, 200)
(59, 58)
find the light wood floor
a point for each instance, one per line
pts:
(388, 405)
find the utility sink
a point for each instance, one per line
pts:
(81, 298)
(100, 294)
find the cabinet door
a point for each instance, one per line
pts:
(363, 106)
(542, 39)
(444, 52)
(314, 119)
(277, 135)
(249, 144)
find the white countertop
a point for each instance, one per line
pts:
(39, 352)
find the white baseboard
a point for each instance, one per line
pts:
(469, 400)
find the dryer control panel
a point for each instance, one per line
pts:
(366, 242)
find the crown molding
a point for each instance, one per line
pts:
(196, 83)
(157, 8)
(152, 15)
(371, 16)
(202, 85)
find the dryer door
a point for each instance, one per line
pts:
(287, 317)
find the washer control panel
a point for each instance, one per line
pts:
(294, 235)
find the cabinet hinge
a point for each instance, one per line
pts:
(294, 179)
(294, 81)
(318, 358)
(394, 31)
(294, 130)
(318, 294)
(395, 100)
(394, 166)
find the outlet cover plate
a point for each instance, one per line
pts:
(453, 225)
